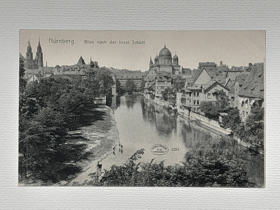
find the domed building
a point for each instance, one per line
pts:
(165, 62)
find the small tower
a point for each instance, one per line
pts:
(151, 63)
(39, 56)
(156, 60)
(175, 60)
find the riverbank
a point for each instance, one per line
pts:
(205, 122)
(100, 137)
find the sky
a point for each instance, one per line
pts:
(234, 48)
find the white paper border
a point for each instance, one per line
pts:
(135, 15)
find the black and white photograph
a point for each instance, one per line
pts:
(144, 108)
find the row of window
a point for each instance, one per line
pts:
(195, 102)
(245, 114)
(196, 94)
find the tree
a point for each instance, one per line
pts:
(219, 164)
(142, 85)
(210, 109)
(98, 82)
(119, 88)
(178, 83)
(167, 93)
(254, 126)
(22, 81)
(232, 120)
(130, 86)
(104, 77)
(39, 141)
(222, 101)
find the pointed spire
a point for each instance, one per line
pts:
(39, 44)
(29, 42)
(164, 45)
(46, 64)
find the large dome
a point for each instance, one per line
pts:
(165, 52)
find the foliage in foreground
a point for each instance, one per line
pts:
(210, 165)
(47, 110)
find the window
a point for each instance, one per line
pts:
(246, 114)
(208, 95)
(197, 93)
(194, 101)
(197, 102)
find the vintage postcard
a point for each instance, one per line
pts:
(141, 108)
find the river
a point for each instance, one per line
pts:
(143, 125)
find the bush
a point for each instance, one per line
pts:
(215, 165)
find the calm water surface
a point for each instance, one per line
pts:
(142, 125)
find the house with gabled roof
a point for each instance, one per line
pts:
(205, 85)
(252, 91)
(194, 95)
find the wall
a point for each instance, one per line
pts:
(209, 123)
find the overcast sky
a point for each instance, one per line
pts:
(236, 48)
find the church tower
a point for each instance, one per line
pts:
(151, 63)
(39, 56)
(29, 56)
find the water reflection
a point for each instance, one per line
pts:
(142, 125)
(130, 101)
(165, 124)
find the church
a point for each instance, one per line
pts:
(36, 63)
(165, 62)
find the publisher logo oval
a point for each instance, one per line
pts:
(159, 149)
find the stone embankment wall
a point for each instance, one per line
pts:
(209, 123)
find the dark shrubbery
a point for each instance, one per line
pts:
(211, 165)
(47, 110)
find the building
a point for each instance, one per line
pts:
(162, 81)
(162, 69)
(204, 88)
(137, 78)
(251, 93)
(165, 62)
(234, 86)
(31, 63)
(207, 65)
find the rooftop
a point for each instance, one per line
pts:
(253, 85)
